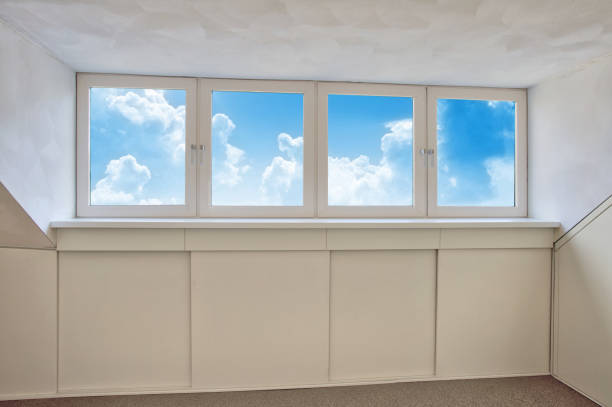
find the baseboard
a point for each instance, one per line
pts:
(181, 390)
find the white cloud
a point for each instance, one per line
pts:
(501, 181)
(233, 165)
(361, 182)
(400, 135)
(282, 172)
(222, 127)
(500, 104)
(150, 201)
(453, 182)
(290, 146)
(123, 182)
(357, 181)
(152, 107)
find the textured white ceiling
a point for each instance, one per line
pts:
(514, 43)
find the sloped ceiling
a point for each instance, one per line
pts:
(460, 42)
(17, 229)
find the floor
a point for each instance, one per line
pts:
(541, 391)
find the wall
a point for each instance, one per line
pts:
(16, 228)
(37, 135)
(582, 355)
(570, 144)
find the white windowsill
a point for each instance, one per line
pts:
(306, 223)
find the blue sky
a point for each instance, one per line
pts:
(138, 149)
(369, 150)
(137, 146)
(257, 148)
(476, 141)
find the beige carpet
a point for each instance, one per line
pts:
(541, 391)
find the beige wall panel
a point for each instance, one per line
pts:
(260, 318)
(124, 320)
(255, 239)
(496, 238)
(584, 331)
(28, 317)
(121, 240)
(364, 239)
(493, 312)
(17, 229)
(383, 314)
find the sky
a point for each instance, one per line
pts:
(138, 149)
(137, 146)
(257, 148)
(476, 142)
(369, 150)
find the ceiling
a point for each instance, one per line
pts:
(508, 43)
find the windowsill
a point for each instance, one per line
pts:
(303, 223)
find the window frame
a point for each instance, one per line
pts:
(205, 88)
(198, 134)
(519, 96)
(419, 141)
(85, 81)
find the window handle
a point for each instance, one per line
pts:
(426, 153)
(193, 154)
(201, 150)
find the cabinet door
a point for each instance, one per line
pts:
(28, 322)
(124, 320)
(584, 310)
(383, 314)
(260, 318)
(493, 312)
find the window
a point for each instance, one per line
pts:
(478, 138)
(165, 146)
(368, 136)
(261, 138)
(132, 137)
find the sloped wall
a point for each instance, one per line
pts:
(37, 130)
(570, 144)
(582, 345)
(17, 229)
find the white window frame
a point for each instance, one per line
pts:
(87, 81)
(205, 88)
(198, 160)
(519, 96)
(419, 173)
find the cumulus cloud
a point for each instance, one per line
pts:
(150, 201)
(123, 182)
(501, 181)
(283, 172)
(362, 182)
(233, 167)
(399, 136)
(152, 107)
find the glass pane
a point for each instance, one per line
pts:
(137, 146)
(369, 150)
(257, 148)
(476, 141)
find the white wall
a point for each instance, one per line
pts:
(37, 131)
(582, 354)
(570, 144)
